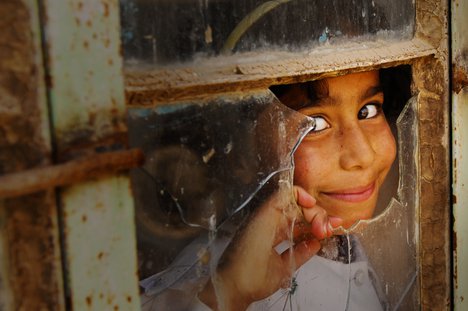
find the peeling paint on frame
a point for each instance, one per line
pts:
(99, 244)
(31, 271)
(88, 116)
(86, 71)
(431, 81)
(459, 61)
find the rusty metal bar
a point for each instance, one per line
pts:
(30, 181)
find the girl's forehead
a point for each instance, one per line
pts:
(359, 86)
(299, 96)
(353, 81)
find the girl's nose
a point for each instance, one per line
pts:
(356, 151)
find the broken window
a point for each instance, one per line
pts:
(215, 166)
(218, 201)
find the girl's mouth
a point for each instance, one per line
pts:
(354, 195)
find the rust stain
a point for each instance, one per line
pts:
(454, 244)
(89, 301)
(114, 103)
(459, 78)
(106, 42)
(110, 299)
(86, 44)
(80, 140)
(31, 250)
(84, 218)
(100, 255)
(129, 299)
(121, 52)
(106, 9)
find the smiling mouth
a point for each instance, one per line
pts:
(354, 195)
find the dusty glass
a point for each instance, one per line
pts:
(205, 164)
(167, 32)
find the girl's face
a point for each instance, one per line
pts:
(343, 161)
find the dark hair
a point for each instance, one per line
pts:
(395, 82)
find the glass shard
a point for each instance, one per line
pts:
(208, 164)
(390, 238)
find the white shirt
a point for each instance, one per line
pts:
(319, 284)
(324, 284)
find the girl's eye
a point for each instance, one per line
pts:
(320, 124)
(369, 111)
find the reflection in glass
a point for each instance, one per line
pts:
(205, 163)
(164, 31)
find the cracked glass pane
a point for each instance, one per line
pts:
(164, 32)
(271, 202)
(208, 164)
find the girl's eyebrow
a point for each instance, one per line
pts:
(328, 101)
(372, 91)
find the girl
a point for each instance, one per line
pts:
(339, 169)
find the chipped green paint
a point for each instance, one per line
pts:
(86, 84)
(88, 113)
(101, 246)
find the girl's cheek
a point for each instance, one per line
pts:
(305, 173)
(387, 147)
(300, 172)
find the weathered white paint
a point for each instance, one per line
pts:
(101, 246)
(460, 192)
(460, 154)
(87, 102)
